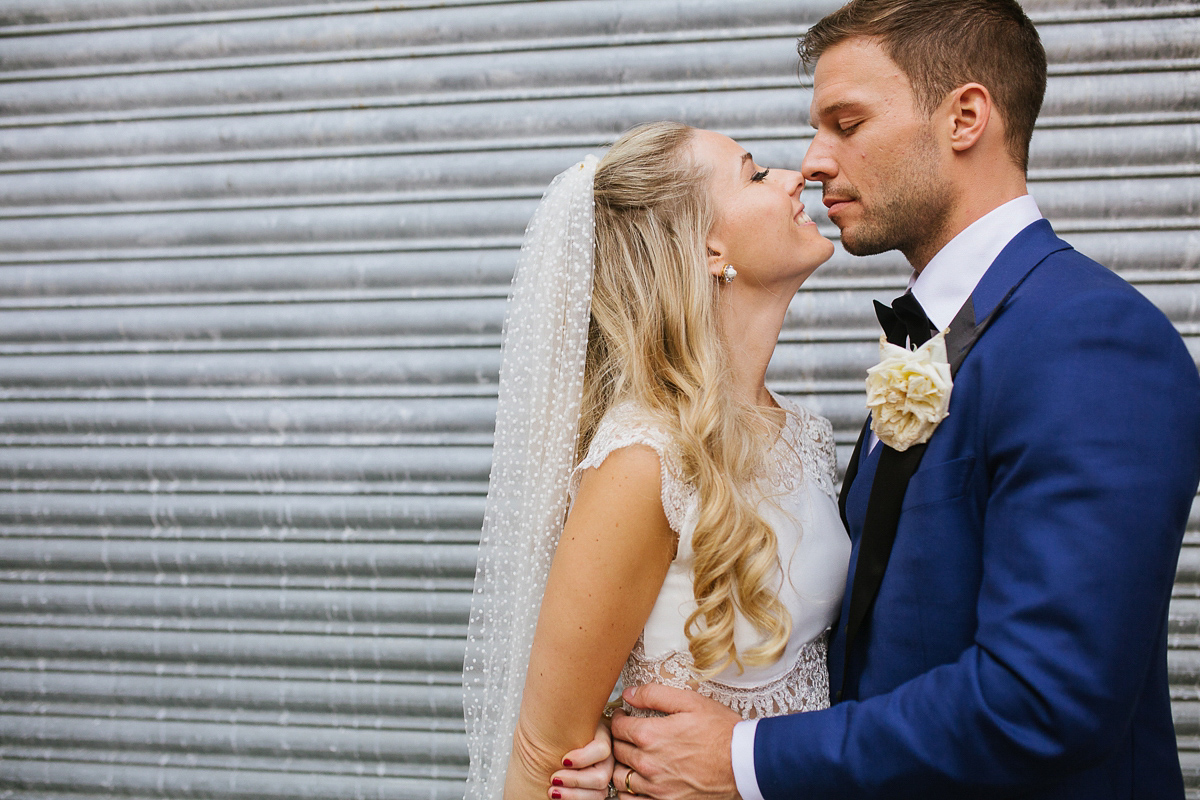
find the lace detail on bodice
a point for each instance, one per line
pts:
(626, 425)
(805, 446)
(804, 687)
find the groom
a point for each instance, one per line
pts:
(1005, 622)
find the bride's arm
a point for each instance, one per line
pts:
(608, 569)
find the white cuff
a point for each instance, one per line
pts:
(743, 760)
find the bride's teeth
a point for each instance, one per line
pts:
(804, 218)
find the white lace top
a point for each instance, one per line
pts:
(813, 550)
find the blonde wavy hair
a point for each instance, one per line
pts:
(655, 339)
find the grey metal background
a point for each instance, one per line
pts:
(253, 260)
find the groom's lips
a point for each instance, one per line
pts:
(836, 204)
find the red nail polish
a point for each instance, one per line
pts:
(566, 762)
(556, 794)
(556, 782)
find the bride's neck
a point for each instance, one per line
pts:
(751, 319)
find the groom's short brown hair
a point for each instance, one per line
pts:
(942, 44)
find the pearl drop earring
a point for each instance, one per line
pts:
(728, 274)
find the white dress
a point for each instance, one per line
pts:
(813, 551)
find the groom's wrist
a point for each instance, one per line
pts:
(742, 756)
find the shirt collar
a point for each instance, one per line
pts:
(951, 276)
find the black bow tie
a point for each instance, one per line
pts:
(905, 321)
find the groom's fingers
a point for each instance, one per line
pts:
(628, 756)
(624, 751)
(627, 730)
(663, 698)
(635, 783)
(634, 740)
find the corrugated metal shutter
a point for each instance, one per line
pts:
(252, 268)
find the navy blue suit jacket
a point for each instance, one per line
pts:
(1017, 644)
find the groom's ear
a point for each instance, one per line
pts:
(968, 115)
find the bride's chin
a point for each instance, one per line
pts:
(813, 258)
(813, 252)
(819, 257)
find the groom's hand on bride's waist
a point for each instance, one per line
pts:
(683, 755)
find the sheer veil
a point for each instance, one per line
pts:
(537, 422)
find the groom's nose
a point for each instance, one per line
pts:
(818, 164)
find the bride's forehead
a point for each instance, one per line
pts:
(716, 143)
(718, 151)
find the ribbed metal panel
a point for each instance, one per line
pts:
(253, 261)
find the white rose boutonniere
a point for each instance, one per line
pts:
(908, 392)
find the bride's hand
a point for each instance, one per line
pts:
(590, 772)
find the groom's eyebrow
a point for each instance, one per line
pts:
(833, 108)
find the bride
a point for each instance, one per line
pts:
(703, 546)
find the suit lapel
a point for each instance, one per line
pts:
(879, 532)
(1028, 249)
(852, 471)
(959, 336)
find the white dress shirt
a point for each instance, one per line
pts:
(941, 288)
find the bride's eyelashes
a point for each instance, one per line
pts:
(758, 177)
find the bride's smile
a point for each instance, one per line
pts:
(760, 227)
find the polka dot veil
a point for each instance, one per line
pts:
(537, 421)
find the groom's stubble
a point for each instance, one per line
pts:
(911, 206)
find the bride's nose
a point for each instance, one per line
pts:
(792, 181)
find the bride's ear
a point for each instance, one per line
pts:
(716, 261)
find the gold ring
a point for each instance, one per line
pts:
(629, 788)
